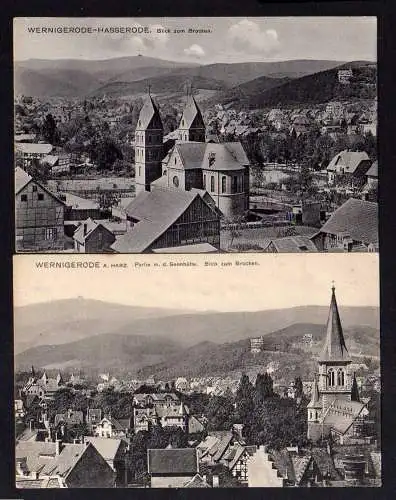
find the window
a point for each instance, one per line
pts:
(331, 377)
(23, 197)
(223, 184)
(340, 377)
(175, 160)
(50, 233)
(204, 181)
(176, 181)
(140, 170)
(40, 197)
(234, 184)
(212, 183)
(34, 188)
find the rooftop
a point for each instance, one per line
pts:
(172, 461)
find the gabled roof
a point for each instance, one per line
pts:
(86, 228)
(157, 211)
(294, 244)
(197, 482)
(334, 348)
(192, 117)
(350, 160)
(358, 218)
(373, 170)
(22, 178)
(106, 447)
(149, 116)
(41, 457)
(172, 461)
(335, 416)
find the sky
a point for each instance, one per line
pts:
(230, 39)
(278, 281)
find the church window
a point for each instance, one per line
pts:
(223, 184)
(204, 181)
(331, 377)
(140, 170)
(182, 123)
(235, 184)
(175, 160)
(212, 183)
(340, 377)
(176, 181)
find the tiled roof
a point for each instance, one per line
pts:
(156, 211)
(32, 148)
(192, 117)
(357, 218)
(336, 416)
(300, 464)
(194, 248)
(349, 160)
(197, 482)
(334, 348)
(373, 170)
(294, 244)
(21, 179)
(149, 116)
(172, 460)
(41, 457)
(106, 447)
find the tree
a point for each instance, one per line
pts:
(49, 130)
(298, 385)
(244, 399)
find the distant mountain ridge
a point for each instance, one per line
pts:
(77, 78)
(75, 319)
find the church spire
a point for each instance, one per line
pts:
(355, 390)
(334, 348)
(315, 398)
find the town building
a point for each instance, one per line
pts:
(110, 427)
(93, 237)
(114, 452)
(172, 467)
(42, 387)
(168, 220)
(335, 408)
(27, 151)
(220, 169)
(70, 418)
(61, 465)
(345, 75)
(352, 227)
(351, 166)
(257, 344)
(39, 215)
(291, 244)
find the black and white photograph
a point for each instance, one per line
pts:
(195, 135)
(210, 372)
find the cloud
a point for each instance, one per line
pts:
(247, 36)
(194, 51)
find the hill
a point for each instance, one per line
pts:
(75, 319)
(68, 320)
(166, 84)
(77, 77)
(283, 352)
(100, 352)
(320, 87)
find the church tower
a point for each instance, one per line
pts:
(192, 126)
(335, 381)
(149, 136)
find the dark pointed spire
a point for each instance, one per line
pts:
(149, 116)
(355, 390)
(315, 398)
(334, 348)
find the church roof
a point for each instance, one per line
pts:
(149, 116)
(192, 117)
(315, 398)
(334, 348)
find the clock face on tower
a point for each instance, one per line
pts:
(175, 181)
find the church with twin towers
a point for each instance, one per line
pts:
(220, 170)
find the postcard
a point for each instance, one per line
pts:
(209, 371)
(196, 135)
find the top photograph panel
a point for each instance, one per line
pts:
(198, 135)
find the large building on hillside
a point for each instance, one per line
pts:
(335, 408)
(220, 169)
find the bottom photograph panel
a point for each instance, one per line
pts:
(197, 372)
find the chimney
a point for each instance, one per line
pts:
(215, 480)
(58, 447)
